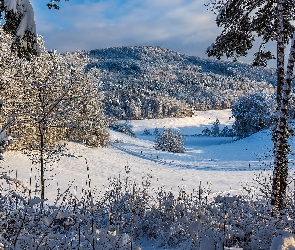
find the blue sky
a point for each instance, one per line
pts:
(182, 25)
(185, 26)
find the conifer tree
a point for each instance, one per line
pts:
(215, 129)
(18, 16)
(19, 21)
(242, 22)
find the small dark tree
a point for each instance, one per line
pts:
(146, 132)
(270, 20)
(206, 132)
(125, 128)
(215, 129)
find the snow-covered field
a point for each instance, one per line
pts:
(224, 163)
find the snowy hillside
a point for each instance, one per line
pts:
(154, 82)
(211, 188)
(220, 161)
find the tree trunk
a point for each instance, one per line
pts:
(286, 91)
(41, 151)
(280, 132)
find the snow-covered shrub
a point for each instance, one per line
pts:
(170, 140)
(215, 130)
(253, 113)
(131, 212)
(227, 132)
(206, 131)
(146, 132)
(124, 128)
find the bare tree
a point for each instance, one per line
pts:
(52, 100)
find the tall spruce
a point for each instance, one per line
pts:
(243, 22)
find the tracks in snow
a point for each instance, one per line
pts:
(204, 165)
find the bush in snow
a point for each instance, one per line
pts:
(170, 140)
(227, 132)
(124, 128)
(206, 131)
(215, 130)
(131, 212)
(253, 113)
(146, 132)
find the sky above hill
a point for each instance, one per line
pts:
(185, 26)
(182, 25)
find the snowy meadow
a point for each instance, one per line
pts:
(136, 147)
(132, 196)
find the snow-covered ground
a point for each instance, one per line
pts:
(224, 163)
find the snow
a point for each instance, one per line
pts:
(285, 241)
(221, 162)
(22, 7)
(11, 5)
(188, 125)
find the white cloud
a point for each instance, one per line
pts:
(182, 25)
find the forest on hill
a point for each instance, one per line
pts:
(140, 82)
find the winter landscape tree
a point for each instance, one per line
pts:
(170, 140)
(253, 113)
(18, 17)
(49, 99)
(243, 22)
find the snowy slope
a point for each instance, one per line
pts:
(220, 161)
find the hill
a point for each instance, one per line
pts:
(154, 82)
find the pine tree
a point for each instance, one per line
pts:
(242, 21)
(19, 22)
(215, 129)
